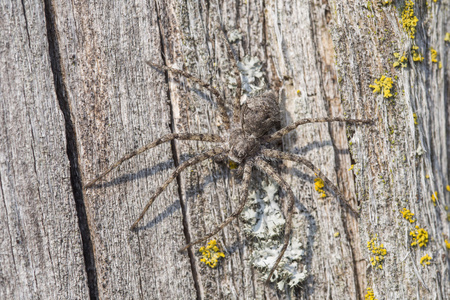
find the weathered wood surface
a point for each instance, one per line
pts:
(323, 55)
(41, 253)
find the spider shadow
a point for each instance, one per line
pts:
(143, 173)
(198, 92)
(189, 195)
(176, 205)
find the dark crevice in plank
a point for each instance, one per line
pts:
(173, 147)
(26, 24)
(72, 150)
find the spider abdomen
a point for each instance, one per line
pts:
(260, 114)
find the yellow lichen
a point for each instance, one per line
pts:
(370, 294)
(211, 254)
(409, 20)
(415, 119)
(318, 186)
(447, 244)
(379, 251)
(433, 55)
(336, 234)
(448, 188)
(233, 165)
(416, 55)
(447, 37)
(408, 215)
(402, 60)
(419, 237)
(384, 85)
(434, 198)
(351, 167)
(425, 260)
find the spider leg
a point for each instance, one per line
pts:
(166, 138)
(220, 100)
(234, 215)
(264, 166)
(280, 133)
(192, 161)
(295, 158)
(237, 99)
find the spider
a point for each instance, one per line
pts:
(247, 142)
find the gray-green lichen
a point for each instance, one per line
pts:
(251, 75)
(264, 224)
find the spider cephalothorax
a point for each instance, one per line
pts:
(247, 142)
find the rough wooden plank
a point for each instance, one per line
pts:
(391, 171)
(118, 104)
(302, 56)
(41, 253)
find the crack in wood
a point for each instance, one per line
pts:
(72, 149)
(186, 231)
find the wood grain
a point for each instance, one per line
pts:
(41, 252)
(320, 56)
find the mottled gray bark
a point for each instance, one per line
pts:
(41, 251)
(320, 56)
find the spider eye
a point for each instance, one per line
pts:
(232, 164)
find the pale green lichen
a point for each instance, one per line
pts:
(251, 75)
(264, 224)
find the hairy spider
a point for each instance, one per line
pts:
(247, 142)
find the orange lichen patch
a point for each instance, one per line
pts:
(318, 186)
(425, 260)
(379, 251)
(383, 85)
(434, 198)
(409, 20)
(408, 215)
(419, 237)
(370, 294)
(211, 254)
